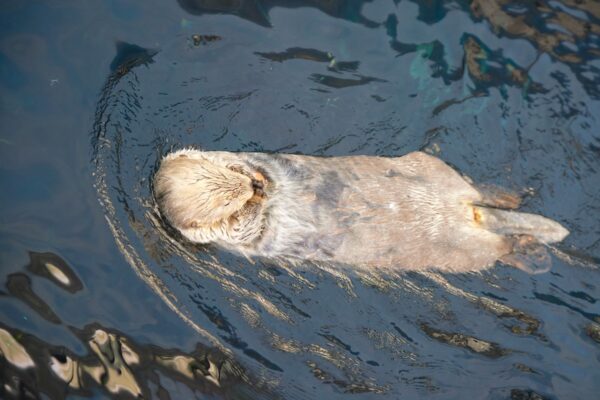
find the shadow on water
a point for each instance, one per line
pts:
(510, 99)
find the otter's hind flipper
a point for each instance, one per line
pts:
(494, 196)
(511, 223)
(528, 255)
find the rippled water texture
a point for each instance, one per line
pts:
(100, 297)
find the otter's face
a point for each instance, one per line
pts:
(195, 193)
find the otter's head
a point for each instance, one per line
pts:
(196, 193)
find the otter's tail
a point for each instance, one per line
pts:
(516, 223)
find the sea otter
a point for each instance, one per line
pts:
(408, 213)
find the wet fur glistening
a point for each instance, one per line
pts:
(410, 213)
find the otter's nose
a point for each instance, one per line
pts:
(258, 187)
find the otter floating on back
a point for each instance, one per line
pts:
(408, 213)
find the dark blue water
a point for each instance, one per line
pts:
(100, 299)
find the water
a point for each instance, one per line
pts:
(100, 298)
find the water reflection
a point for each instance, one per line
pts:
(32, 367)
(476, 345)
(258, 11)
(333, 65)
(55, 269)
(568, 31)
(19, 286)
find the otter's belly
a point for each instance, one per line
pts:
(410, 212)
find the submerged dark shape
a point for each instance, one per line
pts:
(130, 56)
(340, 83)
(19, 286)
(339, 67)
(257, 11)
(300, 53)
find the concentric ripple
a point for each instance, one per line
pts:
(505, 103)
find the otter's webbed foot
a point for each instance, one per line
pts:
(528, 255)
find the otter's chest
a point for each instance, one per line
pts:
(359, 209)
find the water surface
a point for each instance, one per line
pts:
(101, 298)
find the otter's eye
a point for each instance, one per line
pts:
(228, 203)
